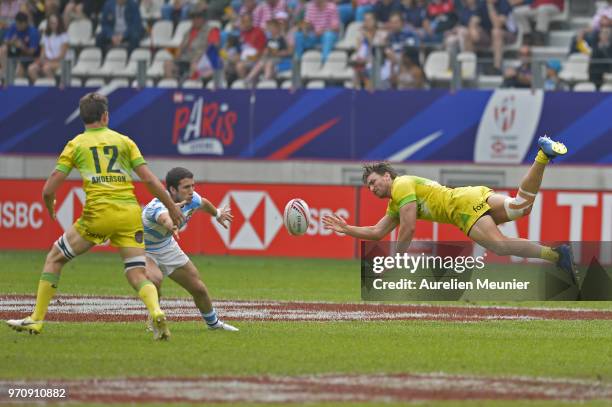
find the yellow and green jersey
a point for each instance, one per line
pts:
(105, 160)
(432, 199)
(461, 207)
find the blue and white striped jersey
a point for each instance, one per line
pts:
(156, 236)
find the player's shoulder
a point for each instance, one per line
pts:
(196, 201)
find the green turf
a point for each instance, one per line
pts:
(568, 349)
(540, 348)
(228, 277)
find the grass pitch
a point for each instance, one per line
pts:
(564, 349)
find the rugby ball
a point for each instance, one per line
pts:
(296, 217)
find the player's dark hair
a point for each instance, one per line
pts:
(380, 168)
(92, 106)
(175, 175)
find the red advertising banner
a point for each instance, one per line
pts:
(258, 226)
(258, 220)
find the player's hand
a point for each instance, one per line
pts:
(180, 204)
(224, 215)
(335, 223)
(175, 232)
(176, 215)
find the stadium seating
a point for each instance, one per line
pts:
(94, 83)
(119, 83)
(80, 33)
(45, 82)
(585, 87)
(266, 84)
(336, 67)
(89, 62)
(148, 83)
(576, 68)
(161, 35)
(179, 32)
(168, 83)
(115, 61)
(315, 85)
(192, 84)
(239, 84)
(349, 41)
(310, 66)
(607, 87)
(131, 68)
(156, 69)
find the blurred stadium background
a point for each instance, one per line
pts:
(267, 113)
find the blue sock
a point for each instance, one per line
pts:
(210, 318)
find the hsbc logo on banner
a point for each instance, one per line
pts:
(70, 208)
(257, 220)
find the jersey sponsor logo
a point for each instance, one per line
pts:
(203, 128)
(257, 220)
(479, 206)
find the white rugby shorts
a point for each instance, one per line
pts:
(169, 257)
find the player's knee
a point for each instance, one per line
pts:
(63, 252)
(520, 205)
(133, 263)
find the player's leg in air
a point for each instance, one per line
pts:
(187, 276)
(505, 209)
(67, 247)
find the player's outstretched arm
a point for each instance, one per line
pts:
(164, 220)
(222, 215)
(156, 188)
(376, 232)
(53, 183)
(407, 221)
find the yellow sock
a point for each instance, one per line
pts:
(542, 158)
(549, 254)
(148, 294)
(46, 290)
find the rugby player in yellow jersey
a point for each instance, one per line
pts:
(105, 160)
(475, 210)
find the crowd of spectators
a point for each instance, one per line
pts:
(256, 39)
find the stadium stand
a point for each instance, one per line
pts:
(570, 40)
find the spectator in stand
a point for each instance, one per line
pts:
(150, 11)
(217, 9)
(414, 13)
(252, 43)
(552, 80)
(400, 40)
(121, 25)
(441, 17)
(248, 7)
(492, 27)
(54, 46)
(521, 76)
(353, 9)
(320, 26)
(540, 11)
(8, 11)
(73, 10)
(456, 38)
(21, 41)
(369, 38)
(195, 43)
(276, 50)
(176, 10)
(384, 8)
(587, 38)
(601, 56)
(266, 10)
(93, 10)
(410, 75)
